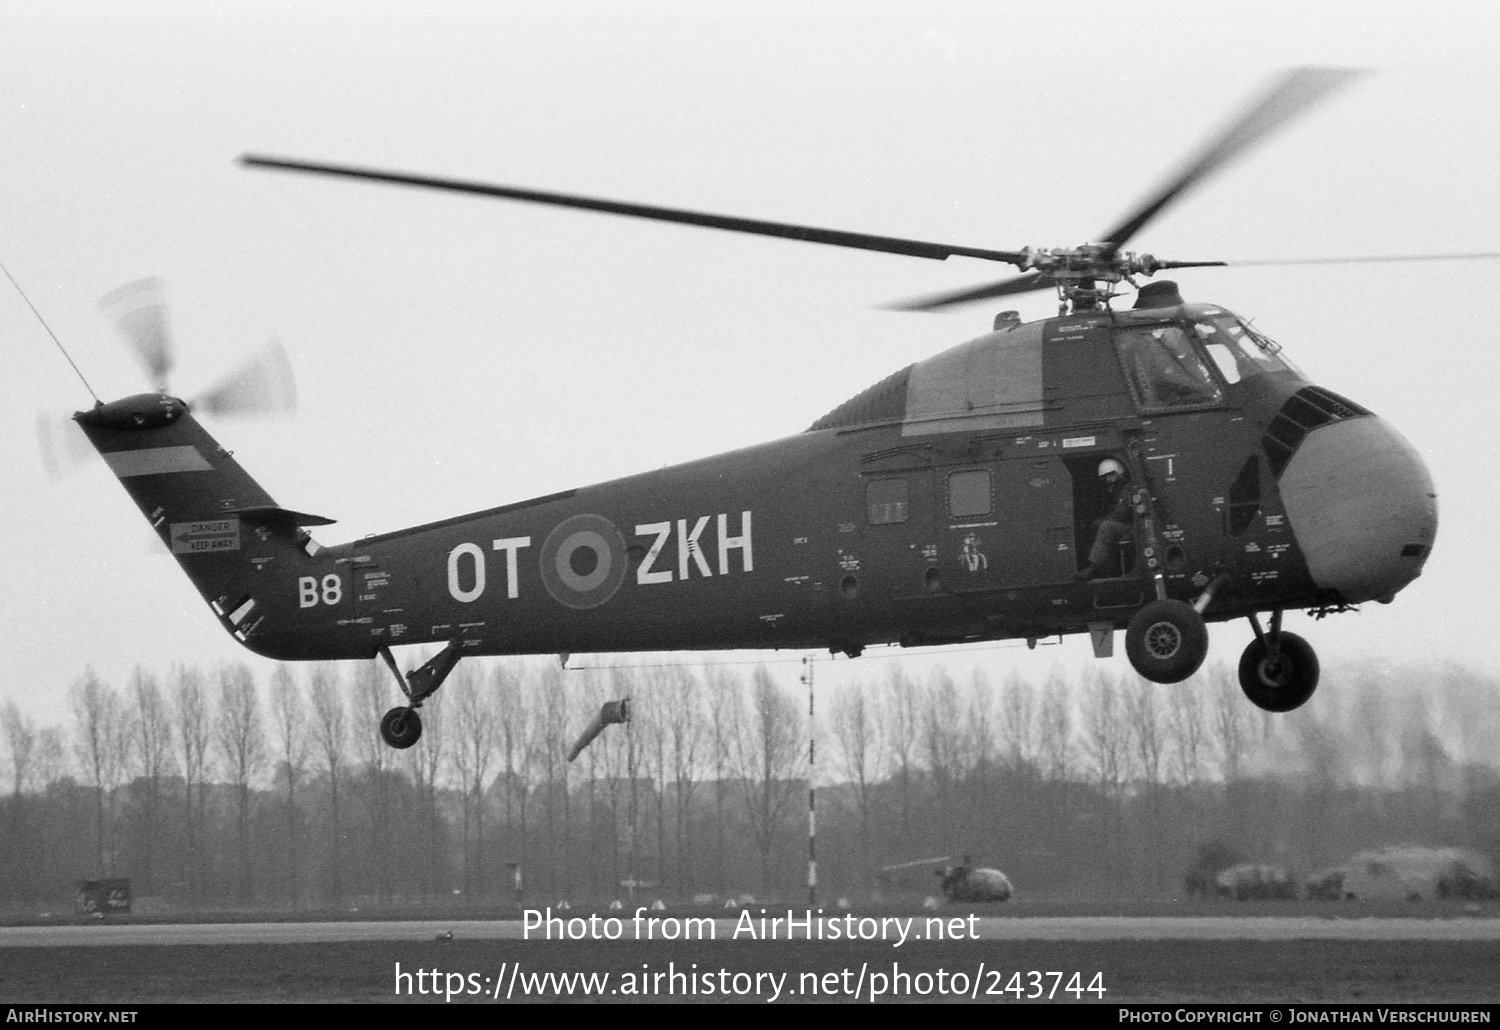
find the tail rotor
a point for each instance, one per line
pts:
(262, 385)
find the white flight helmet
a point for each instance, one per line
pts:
(1109, 465)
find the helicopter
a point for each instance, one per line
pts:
(1149, 469)
(963, 882)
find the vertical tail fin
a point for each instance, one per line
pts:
(220, 525)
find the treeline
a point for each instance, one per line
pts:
(213, 789)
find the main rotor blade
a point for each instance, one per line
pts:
(1293, 93)
(806, 233)
(937, 301)
(141, 316)
(1485, 255)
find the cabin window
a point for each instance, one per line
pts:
(1166, 368)
(969, 493)
(886, 501)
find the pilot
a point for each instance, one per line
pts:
(1115, 526)
(1177, 374)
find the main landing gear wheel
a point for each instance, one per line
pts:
(1280, 682)
(1166, 641)
(401, 727)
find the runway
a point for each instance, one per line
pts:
(819, 928)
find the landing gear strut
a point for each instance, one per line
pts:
(1166, 641)
(1278, 671)
(401, 727)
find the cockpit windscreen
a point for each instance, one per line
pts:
(1237, 350)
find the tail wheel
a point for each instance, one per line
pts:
(1283, 682)
(1166, 641)
(401, 727)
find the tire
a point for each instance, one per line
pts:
(1284, 684)
(1166, 641)
(401, 728)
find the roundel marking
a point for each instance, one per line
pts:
(583, 561)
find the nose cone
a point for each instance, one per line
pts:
(1362, 507)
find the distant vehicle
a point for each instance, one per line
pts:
(1407, 873)
(965, 883)
(1251, 881)
(1328, 884)
(1462, 882)
(1211, 858)
(962, 882)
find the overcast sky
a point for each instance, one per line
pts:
(454, 353)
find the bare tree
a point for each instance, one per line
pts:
(1105, 735)
(242, 742)
(857, 734)
(617, 760)
(1189, 723)
(592, 688)
(1147, 732)
(19, 837)
(1230, 723)
(51, 756)
(290, 743)
(516, 727)
(330, 735)
(192, 714)
(979, 731)
(655, 736)
(551, 701)
(471, 752)
(725, 701)
(685, 717)
(426, 764)
(101, 746)
(1055, 728)
(1018, 725)
(902, 721)
(153, 752)
(371, 700)
(942, 736)
(20, 740)
(768, 754)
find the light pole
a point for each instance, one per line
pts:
(812, 790)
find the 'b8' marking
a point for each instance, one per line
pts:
(310, 591)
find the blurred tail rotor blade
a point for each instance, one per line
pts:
(63, 445)
(141, 315)
(262, 386)
(1293, 93)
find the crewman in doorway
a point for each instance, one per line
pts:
(1115, 526)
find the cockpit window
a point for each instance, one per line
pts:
(1167, 370)
(1238, 350)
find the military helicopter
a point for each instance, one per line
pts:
(959, 499)
(961, 882)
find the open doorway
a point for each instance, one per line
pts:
(1095, 501)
